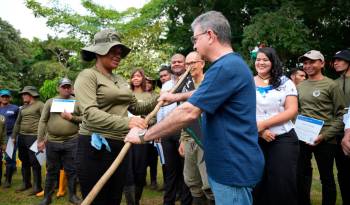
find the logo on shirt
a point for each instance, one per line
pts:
(10, 112)
(316, 93)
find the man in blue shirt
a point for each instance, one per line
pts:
(226, 98)
(10, 112)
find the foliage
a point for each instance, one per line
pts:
(13, 50)
(281, 29)
(49, 89)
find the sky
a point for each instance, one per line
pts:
(16, 13)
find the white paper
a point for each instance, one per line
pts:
(34, 146)
(40, 156)
(10, 147)
(62, 105)
(346, 120)
(159, 147)
(308, 128)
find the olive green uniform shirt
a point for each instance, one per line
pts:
(55, 128)
(345, 87)
(145, 97)
(105, 101)
(28, 119)
(2, 130)
(323, 100)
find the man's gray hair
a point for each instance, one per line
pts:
(215, 21)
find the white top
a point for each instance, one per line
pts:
(270, 102)
(165, 110)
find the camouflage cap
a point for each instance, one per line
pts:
(102, 43)
(31, 90)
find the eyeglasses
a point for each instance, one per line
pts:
(192, 63)
(195, 38)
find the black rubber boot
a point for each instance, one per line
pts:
(72, 189)
(37, 181)
(25, 179)
(129, 192)
(138, 194)
(48, 191)
(8, 176)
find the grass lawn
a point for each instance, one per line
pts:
(150, 197)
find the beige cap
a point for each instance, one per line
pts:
(313, 55)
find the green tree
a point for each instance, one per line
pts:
(149, 49)
(13, 51)
(282, 29)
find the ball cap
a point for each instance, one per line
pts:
(343, 54)
(64, 81)
(5, 92)
(312, 55)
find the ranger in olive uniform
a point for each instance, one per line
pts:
(320, 98)
(105, 99)
(58, 133)
(26, 128)
(341, 63)
(2, 139)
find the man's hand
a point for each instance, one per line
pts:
(345, 143)
(182, 149)
(268, 136)
(137, 122)
(41, 145)
(66, 115)
(133, 136)
(317, 141)
(167, 98)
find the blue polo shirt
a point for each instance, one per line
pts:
(227, 99)
(10, 112)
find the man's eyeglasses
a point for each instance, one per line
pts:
(195, 38)
(191, 63)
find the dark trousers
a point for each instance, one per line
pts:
(324, 154)
(343, 166)
(152, 162)
(137, 169)
(28, 159)
(174, 178)
(92, 164)
(279, 183)
(60, 154)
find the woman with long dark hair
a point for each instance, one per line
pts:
(105, 99)
(276, 106)
(138, 154)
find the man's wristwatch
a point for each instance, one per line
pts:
(142, 135)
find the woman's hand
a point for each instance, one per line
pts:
(137, 122)
(261, 126)
(267, 135)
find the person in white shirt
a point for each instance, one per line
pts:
(276, 106)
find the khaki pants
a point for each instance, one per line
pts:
(195, 173)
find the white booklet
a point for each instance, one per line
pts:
(62, 105)
(346, 119)
(10, 147)
(40, 156)
(308, 128)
